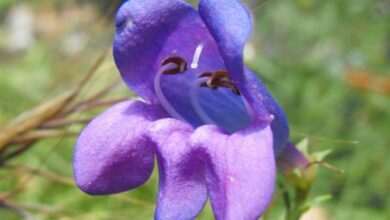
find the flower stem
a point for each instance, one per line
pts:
(298, 206)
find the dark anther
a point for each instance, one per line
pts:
(205, 74)
(218, 79)
(181, 65)
(222, 74)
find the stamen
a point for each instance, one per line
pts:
(160, 95)
(198, 52)
(220, 78)
(205, 74)
(222, 74)
(195, 102)
(217, 79)
(199, 110)
(181, 65)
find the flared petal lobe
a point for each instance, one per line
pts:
(240, 169)
(182, 189)
(237, 171)
(112, 154)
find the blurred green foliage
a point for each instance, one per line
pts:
(304, 49)
(6, 3)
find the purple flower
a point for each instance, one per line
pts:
(212, 125)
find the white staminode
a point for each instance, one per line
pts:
(198, 52)
(160, 95)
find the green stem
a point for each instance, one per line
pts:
(298, 208)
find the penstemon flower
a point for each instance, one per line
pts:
(213, 126)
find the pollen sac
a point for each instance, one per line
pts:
(217, 79)
(205, 74)
(180, 65)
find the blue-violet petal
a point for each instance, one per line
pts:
(112, 154)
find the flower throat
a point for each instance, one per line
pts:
(214, 81)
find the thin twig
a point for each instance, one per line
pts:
(97, 104)
(43, 112)
(326, 165)
(47, 133)
(47, 174)
(260, 5)
(17, 209)
(93, 98)
(5, 140)
(97, 28)
(33, 119)
(58, 178)
(64, 122)
(133, 201)
(53, 211)
(22, 148)
(94, 68)
(312, 137)
(102, 92)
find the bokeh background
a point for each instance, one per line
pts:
(326, 62)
